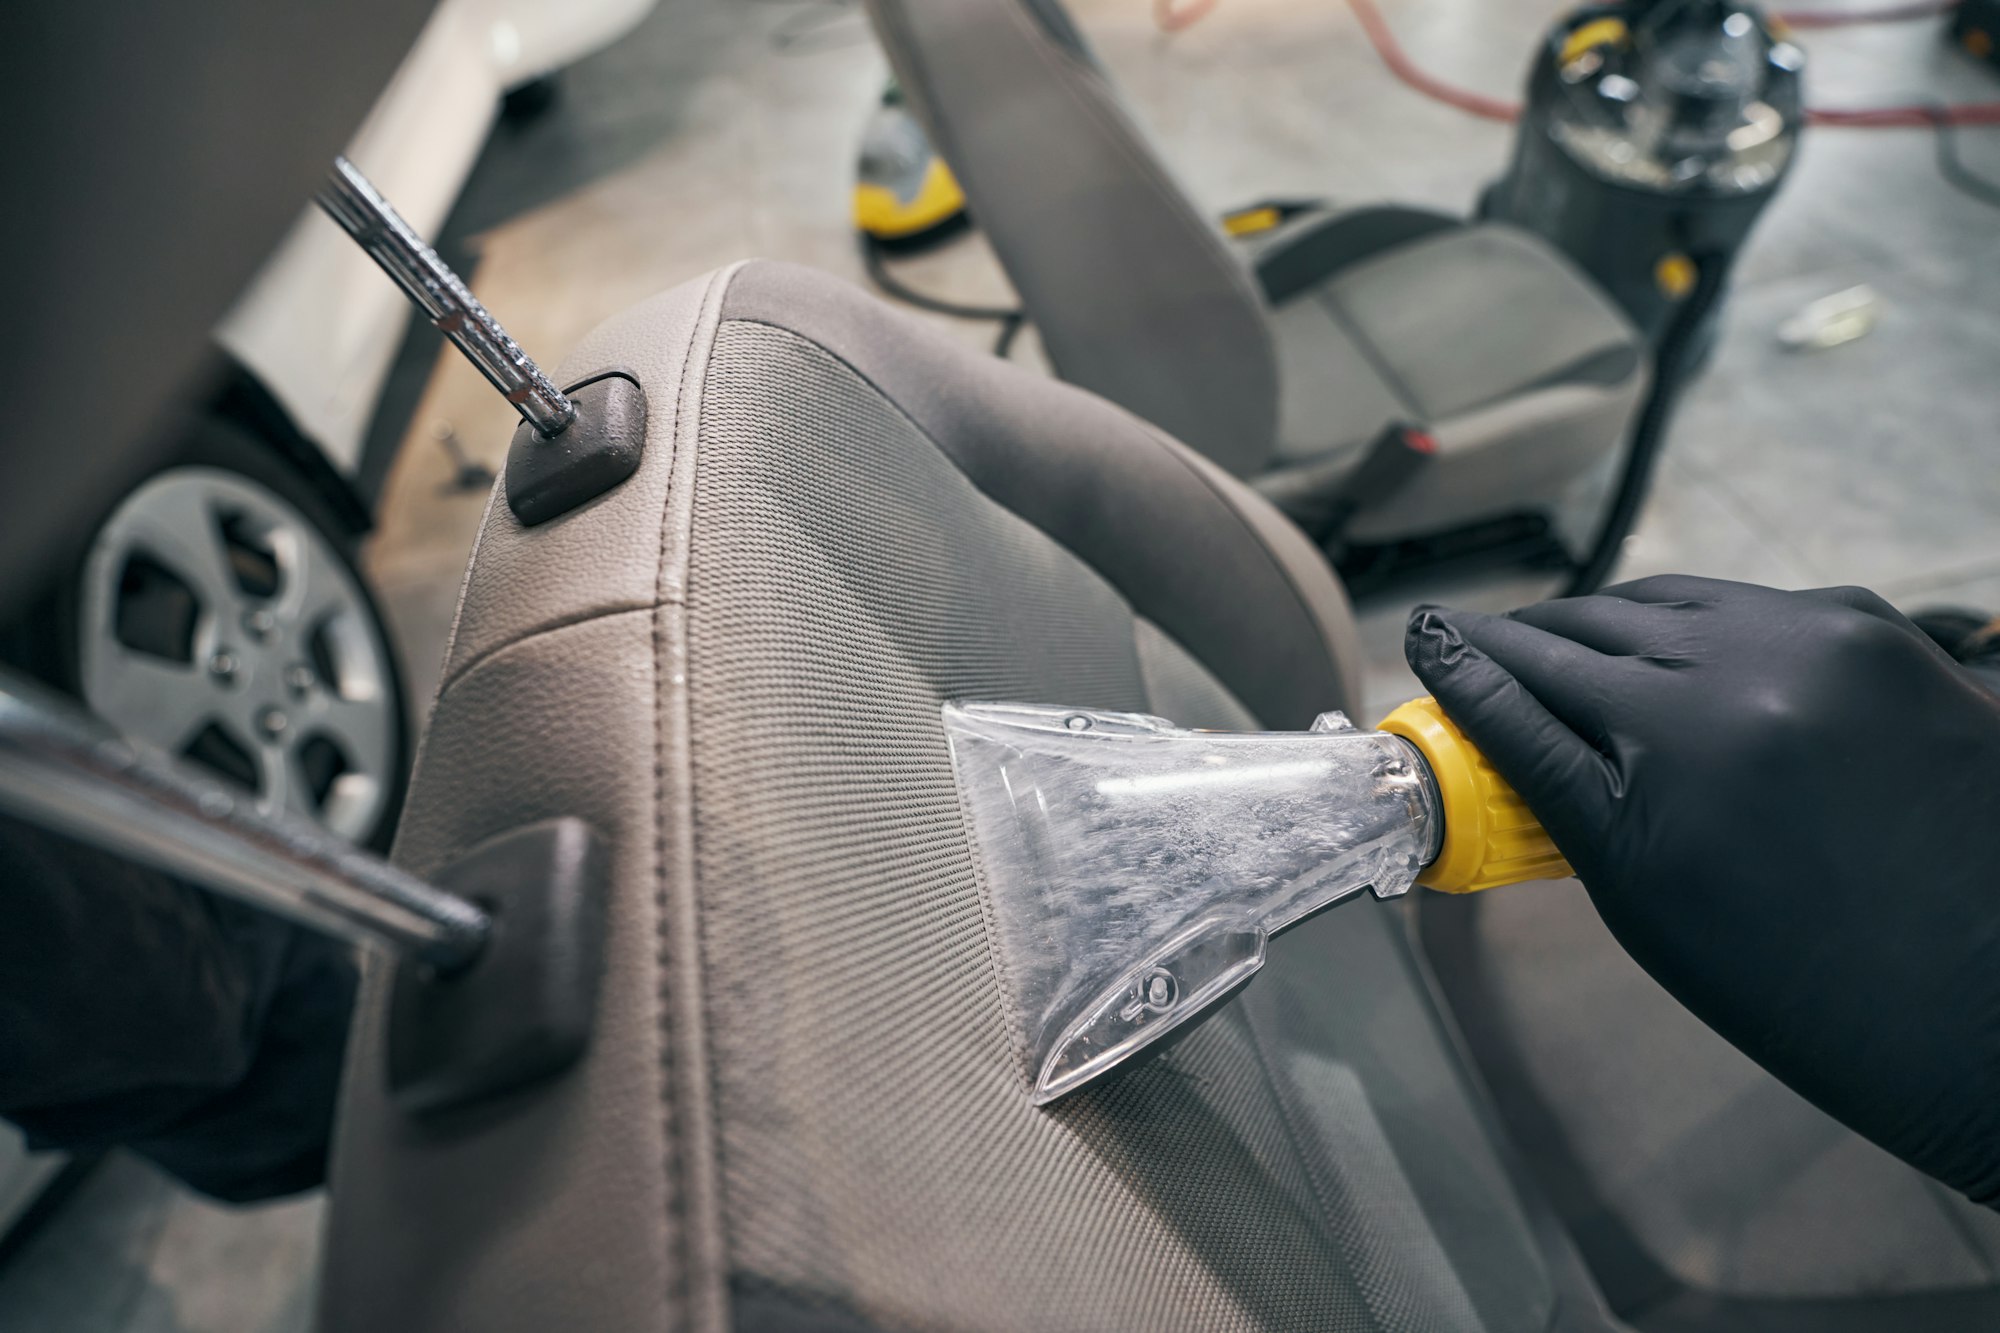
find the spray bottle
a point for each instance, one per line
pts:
(1136, 870)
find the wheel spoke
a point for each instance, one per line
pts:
(274, 772)
(319, 585)
(153, 699)
(360, 728)
(179, 529)
(349, 806)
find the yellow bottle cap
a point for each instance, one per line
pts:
(1490, 836)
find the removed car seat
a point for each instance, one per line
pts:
(1282, 364)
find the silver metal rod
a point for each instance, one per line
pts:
(62, 769)
(377, 228)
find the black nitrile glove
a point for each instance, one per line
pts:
(1786, 806)
(138, 1011)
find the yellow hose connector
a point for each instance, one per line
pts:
(1490, 836)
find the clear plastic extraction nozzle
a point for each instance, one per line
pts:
(1136, 868)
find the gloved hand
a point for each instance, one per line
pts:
(138, 1011)
(1786, 807)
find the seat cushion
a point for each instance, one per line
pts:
(1693, 1179)
(1334, 393)
(1462, 319)
(1527, 376)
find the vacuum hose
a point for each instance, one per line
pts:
(873, 258)
(1671, 367)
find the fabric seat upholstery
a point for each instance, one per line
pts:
(1520, 367)
(1705, 1193)
(800, 1108)
(1528, 377)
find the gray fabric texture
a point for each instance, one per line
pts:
(1453, 323)
(1179, 687)
(800, 1106)
(587, 1203)
(1309, 247)
(1732, 1183)
(1466, 318)
(877, 1144)
(1335, 399)
(1524, 373)
(1194, 552)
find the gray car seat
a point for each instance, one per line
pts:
(800, 1108)
(1283, 364)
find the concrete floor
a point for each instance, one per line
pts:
(720, 130)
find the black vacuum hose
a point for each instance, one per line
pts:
(1671, 365)
(1010, 320)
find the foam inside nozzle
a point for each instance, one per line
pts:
(1137, 869)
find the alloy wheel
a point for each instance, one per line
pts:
(220, 624)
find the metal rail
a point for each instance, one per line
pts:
(377, 228)
(62, 769)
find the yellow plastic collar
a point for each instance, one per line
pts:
(1595, 33)
(1490, 837)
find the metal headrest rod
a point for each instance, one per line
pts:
(379, 229)
(63, 770)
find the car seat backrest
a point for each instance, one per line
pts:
(1134, 292)
(800, 1107)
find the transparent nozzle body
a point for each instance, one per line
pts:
(1136, 869)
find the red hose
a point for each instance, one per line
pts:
(1391, 53)
(1173, 19)
(1913, 116)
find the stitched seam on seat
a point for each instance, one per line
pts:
(543, 632)
(1278, 1082)
(678, 1151)
(1565, 377)
(535, 631)
(1145, 432)
(1382, 368)
(676, 1294)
